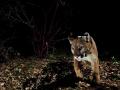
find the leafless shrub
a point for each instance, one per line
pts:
(42, 34)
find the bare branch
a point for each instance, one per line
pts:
(53, 36)
(18, 14)
(62, 2)
(52, 20)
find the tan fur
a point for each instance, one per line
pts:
(85, 45)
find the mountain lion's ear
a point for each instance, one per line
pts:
(71, 38)
(88, 37)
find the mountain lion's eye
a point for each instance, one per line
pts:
(72, 47)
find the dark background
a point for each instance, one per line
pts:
(100, 19)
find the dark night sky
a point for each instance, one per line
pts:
(100, 19)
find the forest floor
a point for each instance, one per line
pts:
(54, 74)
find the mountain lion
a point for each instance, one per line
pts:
(85, 55)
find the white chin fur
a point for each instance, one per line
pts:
(90, 58)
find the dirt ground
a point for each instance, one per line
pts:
(48, 74)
